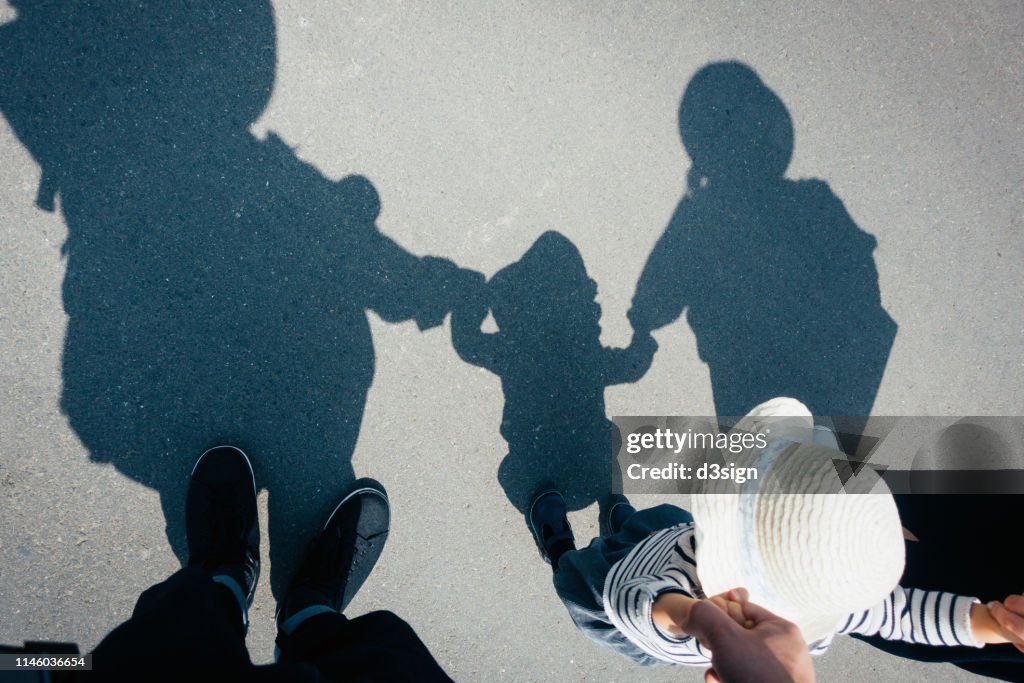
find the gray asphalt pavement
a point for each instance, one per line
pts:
(482, 126)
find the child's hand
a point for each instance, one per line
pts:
(470, 293)
(633, 362)
(472, 284)
(638, 322)
(643, 343)
(435, 283)
(671, 611)
(732, 603)
(989, 630)
(771, 649)
(1009, 616)
(469, 310)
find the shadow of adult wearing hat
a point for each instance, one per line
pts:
(778, 283)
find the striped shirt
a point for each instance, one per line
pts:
(666, 562)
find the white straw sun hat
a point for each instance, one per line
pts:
(805, 548)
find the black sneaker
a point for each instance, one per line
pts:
(340, 559)
(550, 527)
(220, 517)
(619, 510)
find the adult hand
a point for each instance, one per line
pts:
(1010, 615)
(771, 650)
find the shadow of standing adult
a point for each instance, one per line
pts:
(216, 286)
(778, 283)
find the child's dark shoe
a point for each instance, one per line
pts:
(619, 510)
(550, 527)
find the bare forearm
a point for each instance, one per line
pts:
(670, 613)
(986, 629)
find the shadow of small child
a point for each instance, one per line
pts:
(553, 369)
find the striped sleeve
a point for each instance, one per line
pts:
(660, 564)
(917, 616)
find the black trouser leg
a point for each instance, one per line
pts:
(378, 646)
(185, 625)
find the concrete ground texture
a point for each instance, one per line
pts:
(163, 173)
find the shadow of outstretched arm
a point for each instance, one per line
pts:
(661, 292)
(472, 344)
(628, 365)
